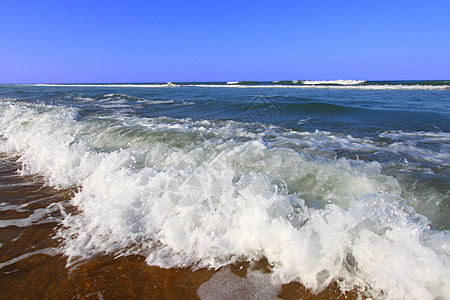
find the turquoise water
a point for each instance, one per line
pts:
(330, 181)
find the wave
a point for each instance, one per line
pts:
(210, 193)
(289, 110)
(333, 82)
(342, 87)
(302, 84)
(156, 85)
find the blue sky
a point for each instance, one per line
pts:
(158, 41)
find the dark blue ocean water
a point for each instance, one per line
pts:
(357, 111)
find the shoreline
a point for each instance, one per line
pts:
(32, 267)
(106, 277)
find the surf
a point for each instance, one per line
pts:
(206, 193)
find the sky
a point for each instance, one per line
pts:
(160, 41)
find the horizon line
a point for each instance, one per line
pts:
(216, 81)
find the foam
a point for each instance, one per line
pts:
(207, 194)
(340, 81)
(6, 206)
(407, 142)
(169, 84)
(225, 285)
(38, 216)
(311, 85)
(46, 251)
(338, 87)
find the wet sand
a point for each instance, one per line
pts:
(31, 266)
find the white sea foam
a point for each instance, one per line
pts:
(340, 87)
(294, 86)
(225, 285)
(407, 142)
(168, 84)
(207, 194)
(340, 81)
(39, 216)
(19, 208)
(120, 103)
(46, 251)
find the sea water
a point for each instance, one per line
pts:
(331, 182)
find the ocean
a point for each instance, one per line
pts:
(221, 190)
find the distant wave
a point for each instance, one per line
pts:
(319, 86)
(340, 81)
(168, 84)
(303, 84)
